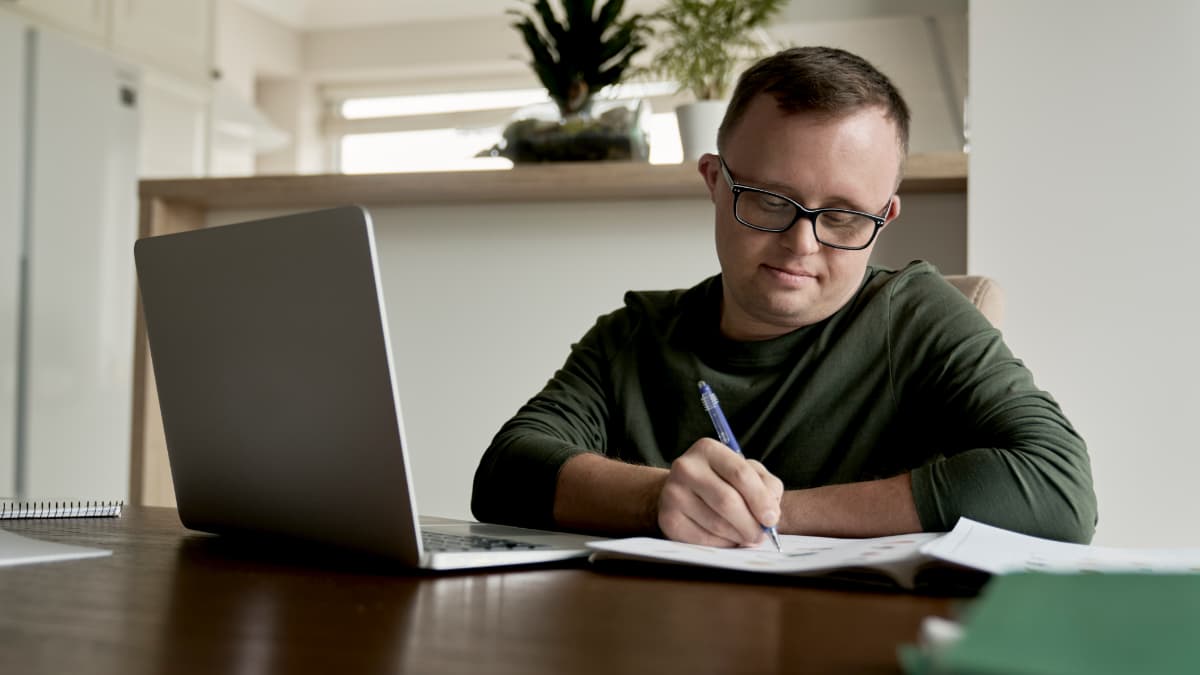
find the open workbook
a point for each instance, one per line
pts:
(909, 560)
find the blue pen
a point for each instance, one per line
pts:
(725, 434)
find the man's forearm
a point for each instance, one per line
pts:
(598, 494)
(869, 509)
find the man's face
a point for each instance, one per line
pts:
(777, 282)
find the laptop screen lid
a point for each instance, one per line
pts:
(275, 379)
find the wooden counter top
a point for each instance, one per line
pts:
(938, 172)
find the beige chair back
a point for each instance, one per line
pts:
(982, 291)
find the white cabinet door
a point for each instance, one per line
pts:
(175, 35)
(12, 105)
(81, 294)
(85, 18)
(174, 127)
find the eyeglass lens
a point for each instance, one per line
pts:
(770, 212)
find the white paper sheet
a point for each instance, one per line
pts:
(18, 550)
(999, 551)
(801, 555)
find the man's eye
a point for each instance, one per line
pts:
(773, 203)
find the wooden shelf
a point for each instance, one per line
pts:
(590, 181)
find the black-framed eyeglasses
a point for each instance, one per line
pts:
(772, 212)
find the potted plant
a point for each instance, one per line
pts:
(702, 43)
(574, 58)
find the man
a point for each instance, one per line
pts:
(867, 401)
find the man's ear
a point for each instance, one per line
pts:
(710, 169)
(893, 210)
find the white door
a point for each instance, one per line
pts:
(81, 280)
(12, 104)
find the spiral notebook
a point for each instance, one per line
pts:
(10, 509)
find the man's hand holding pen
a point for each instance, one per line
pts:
(716, 497)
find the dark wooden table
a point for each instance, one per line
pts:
(173, 601)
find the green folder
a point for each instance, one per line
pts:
(1067, 624)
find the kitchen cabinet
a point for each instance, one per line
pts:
(68, 189)
(172, 35)
(84, 18)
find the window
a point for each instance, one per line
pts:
(402, 106)
(453, 132)
(427, 150)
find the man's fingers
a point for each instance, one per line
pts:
(769, 515)
(697, 473)
(714, 495)
(731, 507)
(759, 490)
(682, 512)
(681, 527)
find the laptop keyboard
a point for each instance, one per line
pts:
(438, 541)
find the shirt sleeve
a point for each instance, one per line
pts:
(517, 475)
(1006, 455)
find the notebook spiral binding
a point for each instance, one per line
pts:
(51, 509)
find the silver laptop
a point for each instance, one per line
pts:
(270, 347)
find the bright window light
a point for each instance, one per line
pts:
(429, 150)
(639, 90)
(432, 104)
(455, 149)
(662, 131)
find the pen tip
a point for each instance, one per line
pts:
(702, 384)
(774, 534)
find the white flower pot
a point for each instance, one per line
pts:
(698, 125)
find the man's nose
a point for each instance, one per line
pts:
(801, 238)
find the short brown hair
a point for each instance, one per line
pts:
(817, 79)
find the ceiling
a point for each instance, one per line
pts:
(328, 14)
(312, 15)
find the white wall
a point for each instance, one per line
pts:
(932, 227)
(926, 58)
(1082, 203)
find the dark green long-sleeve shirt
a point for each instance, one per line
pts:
(908, 376)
